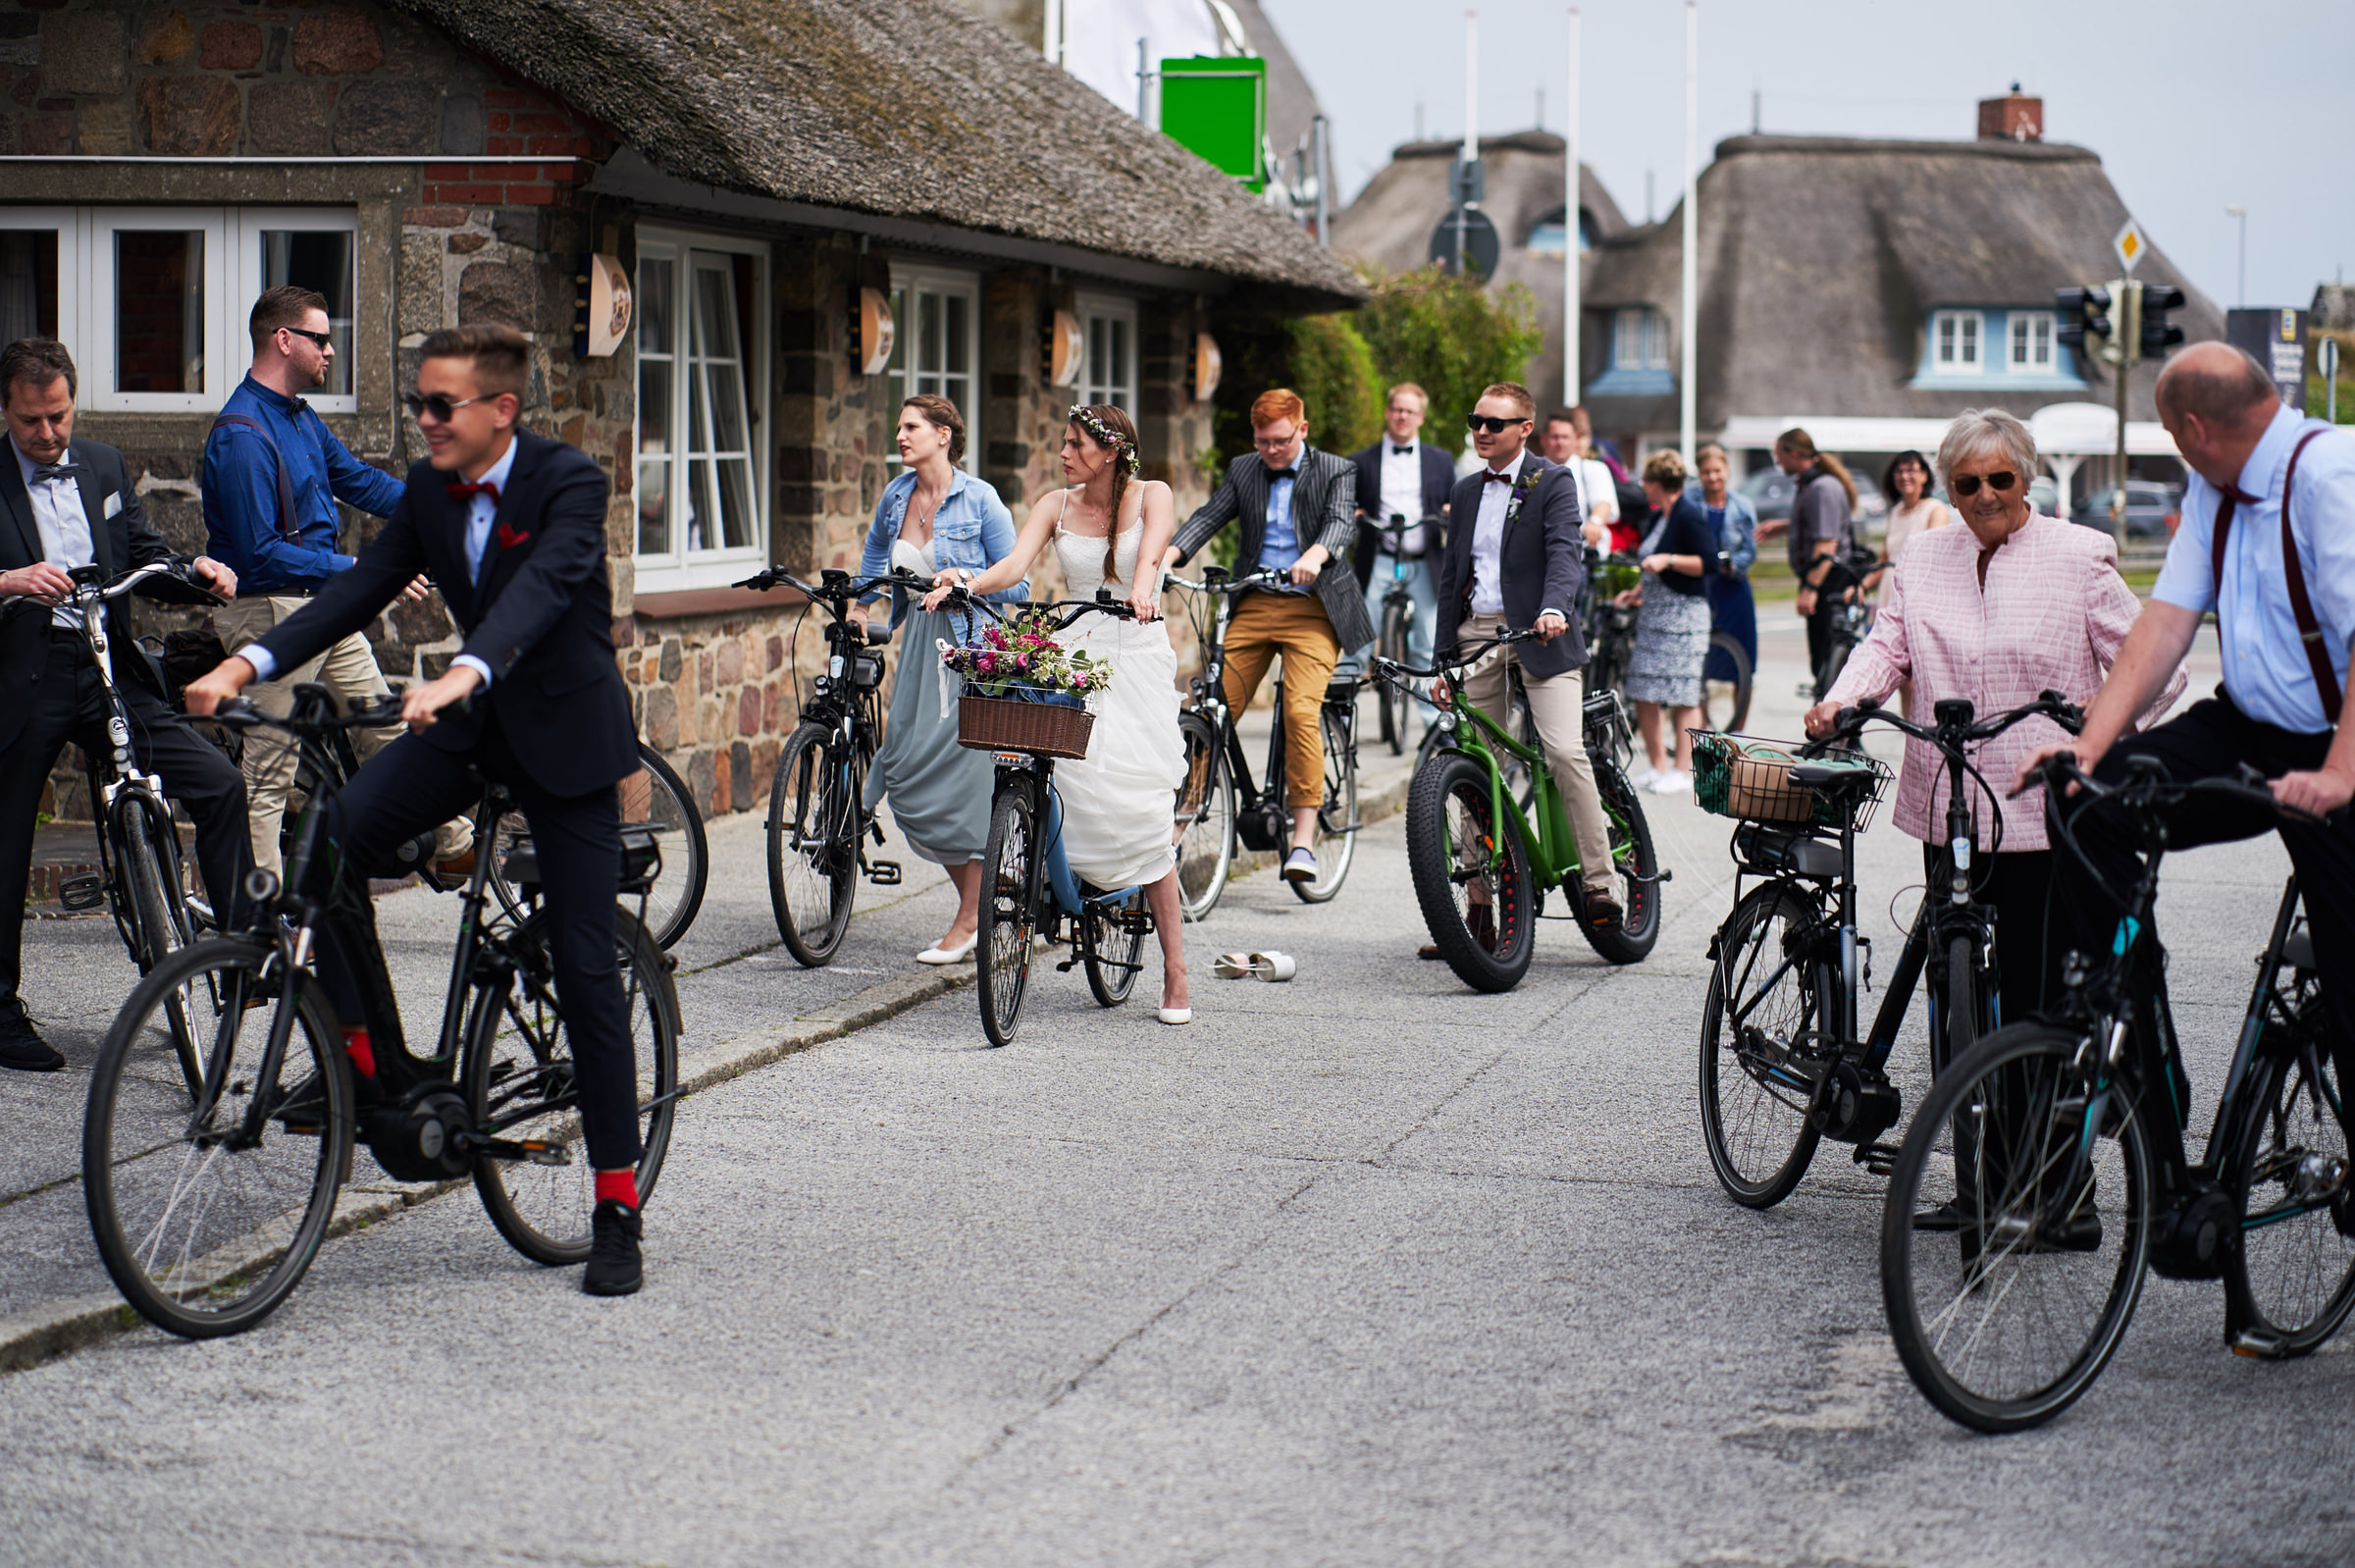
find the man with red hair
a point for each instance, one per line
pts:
(1298, 507)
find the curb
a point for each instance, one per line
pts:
(60, 1328)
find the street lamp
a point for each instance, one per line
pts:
(2241, 289)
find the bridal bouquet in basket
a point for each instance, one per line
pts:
(1021, 660)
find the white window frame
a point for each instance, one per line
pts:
(251, 224)
(907, 280)
(683, 569)
(1099, 383)
(71, 328)
(2033, 331)
(1962, 326)
(1639, 338)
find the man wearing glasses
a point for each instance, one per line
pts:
(1298, 507)
(273, 473)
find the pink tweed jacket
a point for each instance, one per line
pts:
(2053, 613)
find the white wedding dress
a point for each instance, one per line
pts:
(1119, 803)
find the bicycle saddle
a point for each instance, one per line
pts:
(1829, 777)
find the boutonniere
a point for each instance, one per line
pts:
(508, 539)
(1520, 492)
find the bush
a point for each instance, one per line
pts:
(1449, 336)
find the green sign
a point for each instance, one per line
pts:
(1217, 108)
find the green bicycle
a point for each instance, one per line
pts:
(1487, 834)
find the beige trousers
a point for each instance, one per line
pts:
(349, 667)
(1296, 626)
(1558, 704)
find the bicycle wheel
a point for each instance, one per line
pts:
(1205, 819)
(1337, 814)
(521, 1086)
(1389, 696)
(148, 863)
(1113, 949)
(2291, 1281)
(1959, 1028)
(203, 1230)
(1725, 684)
(1009, 904)
(1764, 1047)
(655, 795)
(2010, 1272)
(1454, 844)
(814, 819)
(1638, 864)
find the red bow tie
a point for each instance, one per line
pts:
(468, 492)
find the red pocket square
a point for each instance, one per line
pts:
(508, 539)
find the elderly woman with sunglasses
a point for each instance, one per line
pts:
(1997, 610)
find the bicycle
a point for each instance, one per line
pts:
(140, 876)
(1391, 703)
(2060, 1142)
(1610, 626)
(818, 822)
(1218, 803)
(1783, 1061)
(1852, 622)
(1028, 894)
(657, 796)
(1725, 684)
(207, 1211)
(1467, 828)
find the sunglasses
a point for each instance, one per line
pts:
(1477, 423)
(1968, 485)
(324, 340)
(438, 405)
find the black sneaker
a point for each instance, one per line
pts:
(21, 1047)
(615, 1266)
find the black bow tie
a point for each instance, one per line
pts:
(43, 473)
(1275, 474)
(1505, 478)
(1403, 452)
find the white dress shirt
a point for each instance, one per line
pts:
(2266, 673)
(481, 511)
(65, 528)
(1402, 491)
(1487, 542)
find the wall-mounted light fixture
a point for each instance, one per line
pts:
(873, 332)
(601, 306)
(1066, 349)
(1207, 367)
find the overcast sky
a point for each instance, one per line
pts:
(2204, 104)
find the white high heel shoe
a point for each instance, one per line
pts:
(1176, 1015)
(949, 955)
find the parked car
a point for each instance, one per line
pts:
(1771, 491)
(2151, 508)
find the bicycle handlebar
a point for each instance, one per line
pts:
(2049, 704)
(1235, 585)
(242, 714)
(1391, 669)
(1102, 604)
(86, 587)
(2147, 783)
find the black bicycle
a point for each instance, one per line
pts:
(2048, 1170)
(1851, 619)
(209, 1205)
(140, 876)
(1395, 634)
(1783, 1060)
(657, 799)
(1021, 905)
(1218, 803)
(819, 824)
(1610, 626)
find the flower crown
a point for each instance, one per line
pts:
(1106, 437)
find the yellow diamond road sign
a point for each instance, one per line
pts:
(2130, 246)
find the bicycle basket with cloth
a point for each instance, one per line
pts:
(1749, 779)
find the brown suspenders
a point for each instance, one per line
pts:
(2310, 632)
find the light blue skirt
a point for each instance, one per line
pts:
(939, 791)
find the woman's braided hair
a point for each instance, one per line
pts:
(1111, 428)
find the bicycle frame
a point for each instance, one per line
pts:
(1550, 844)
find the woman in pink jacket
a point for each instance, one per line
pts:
(1997, 610)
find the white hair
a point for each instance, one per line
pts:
(1975, 430)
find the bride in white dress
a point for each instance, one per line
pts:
(1120, 803)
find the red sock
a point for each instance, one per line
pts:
(363, 1059)
(619, 1186)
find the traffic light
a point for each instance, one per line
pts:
(2084, 320)
(2157, 336)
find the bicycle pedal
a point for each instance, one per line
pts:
(1878, 1158)
(539, 1150)
(883, 873)
(1067, 966)
(84, 892)
(2258, 1344)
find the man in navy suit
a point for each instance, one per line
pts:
(513, 528)
(1516, 558)
(1402, 477)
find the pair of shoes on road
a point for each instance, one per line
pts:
(1302, 864)
(616, 1265)
(1641, 775)
(936, 954)
(1277, 967)
(22, 1048)
(1671, 781)
(1479, 921)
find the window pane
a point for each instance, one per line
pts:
(655, 386)
(159, 310)
(696, 502)
(959, 360)
(28, 284)
(727, 409)
(654, 506)
(735, 502)
(1946, 339)
(320, 260)
(1970, 326)
(928, 307)
(653, 308)
(2020, 340)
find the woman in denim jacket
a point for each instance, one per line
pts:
(935, 518)
(1736, 520)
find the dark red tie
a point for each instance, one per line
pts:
(469, 492)
(1488, 473)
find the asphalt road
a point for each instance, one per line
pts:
(1363, 1269)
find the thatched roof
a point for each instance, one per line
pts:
(914, 109)
(1821, 258)
(1391, 221)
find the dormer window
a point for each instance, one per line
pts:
(1968, 348)
(2031, 342)
(1549, 234)
(1955, 336)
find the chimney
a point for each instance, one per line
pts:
(2012, 118)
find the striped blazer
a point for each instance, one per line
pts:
(1324, 513)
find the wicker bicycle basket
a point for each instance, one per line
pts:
(1005, 724)
(1747, 778)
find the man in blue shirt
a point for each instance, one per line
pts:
(273, 473)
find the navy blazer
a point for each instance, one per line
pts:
(1439, 478)
(1542, 561)
(542, 615)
